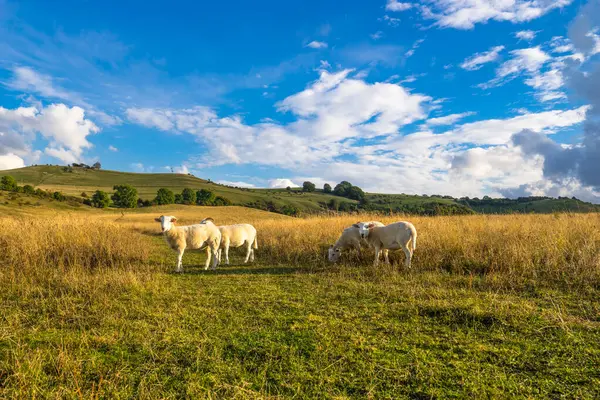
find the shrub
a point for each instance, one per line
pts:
(84, 195)
(125, 196)
(222, 201)
(188, 196)
(100, 199)
(178, 198)
(164, 196)
(308, 187)
(8, 183)
(205, 197)
(28, 189)
(327, 188)
(58, 196)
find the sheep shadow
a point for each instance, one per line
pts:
(246, 270)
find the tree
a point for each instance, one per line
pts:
(125, 196)
(97, 165)
(188, 196)
(308, 187)
(333, 204)
(289, 210)
(341, 189)
(164, 196)
(205, 197)
(58, 196)
(327, 188)
(222, 201)
(100, 199)
(8, 183)
(28, 189)
(355, 193)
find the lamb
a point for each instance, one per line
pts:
(236, 236)
(400, 235)
(198, 236)
(350, 238)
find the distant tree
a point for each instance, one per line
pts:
(289, 210)
(355, 193)
(188, 196)
(164, 196)
(84, 195)
(58, 196)
(222, 201)
(289, 189)
(342, 188)
(308, 187)
(28, 189)
(125, 196)
(97, 165)
(327, 188)
(178, 198)
(8, 183)
(333, 204)
(205, 197)
(100, 199)
(40, 193)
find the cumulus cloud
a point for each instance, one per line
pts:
(527, 35)
(65, 128)
(395, 5)
(113, 148)
(281, 183)
(11, 161)
(448, 119)
(461, 14)
(476, 61)
(237, 184)
(315, 44)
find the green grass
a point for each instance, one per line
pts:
(295, 332)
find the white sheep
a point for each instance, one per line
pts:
(400, 235)
(236, 236)
(198, 236)
(349, 239)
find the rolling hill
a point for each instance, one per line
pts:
(76, 181)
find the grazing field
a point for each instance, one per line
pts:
(494, 306)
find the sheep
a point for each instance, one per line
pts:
(236, 236)
(198, 236)
(400, 235)
(350, 238)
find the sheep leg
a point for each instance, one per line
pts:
(408, 255)
(210, 251)
(377, 250)
(251, 255)
(248, 252)
(385, 254)
(215, 250)
(179, 267)
(227, 254)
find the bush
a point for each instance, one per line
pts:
(222, 201)
(28, 189)
(327, 188)
(205, 197)
(188, 196)
(341, 189)
(58, 196)
(84, 195)
(178, 198)
(100, 199)
(308, 187)
(125, 196)
(164, 196)
(8, 183)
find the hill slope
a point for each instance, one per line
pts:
(74, 181)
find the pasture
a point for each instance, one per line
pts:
(494, 306)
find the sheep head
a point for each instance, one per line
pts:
(166, 222)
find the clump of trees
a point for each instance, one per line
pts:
(100, 199)
(308, 187)
(125, 196)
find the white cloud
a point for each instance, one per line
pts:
(527, 35)
(280, 183)
(113, 148)
(315, 44)
(560, 44)
(414, 47)
(391, 21)
(237, 184)
(65, 128)
(395, 5)
(476, 61)
(464, 14)
(528, 61)
(377, 35)
(137, 167)
(448, 119)
(547, 85)
(11, 161)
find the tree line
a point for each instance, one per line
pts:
(126, 196)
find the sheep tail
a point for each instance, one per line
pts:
(413, 235)
(255, 244)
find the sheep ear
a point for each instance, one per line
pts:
(173, 219)
(356, 226)
(371, 226)
(208, 219)
(331, 246)
(157, 219)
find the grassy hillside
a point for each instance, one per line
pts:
(77, 180)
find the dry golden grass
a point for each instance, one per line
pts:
(90, 310)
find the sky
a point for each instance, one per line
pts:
(453, 97)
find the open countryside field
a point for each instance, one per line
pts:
(494, 306)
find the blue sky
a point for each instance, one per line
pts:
(394, 96)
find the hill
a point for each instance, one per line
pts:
(74, 181)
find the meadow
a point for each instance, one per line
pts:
(494, 306)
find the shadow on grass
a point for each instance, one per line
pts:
(249, 270)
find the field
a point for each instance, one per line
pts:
(494, 306)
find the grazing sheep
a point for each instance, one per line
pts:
(400, 235)
(198, 236)
(236, 236)
(350, 238)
